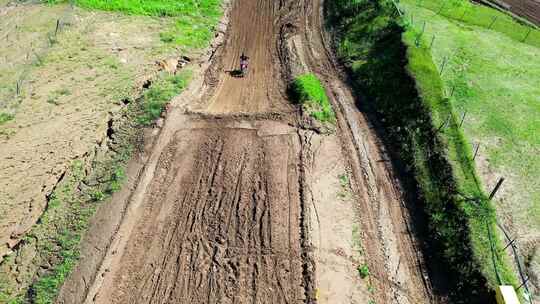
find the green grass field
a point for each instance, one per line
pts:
(465, 12)
(496, 80)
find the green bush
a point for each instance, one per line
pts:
(363, 271)
(307, 90)
(5, 117)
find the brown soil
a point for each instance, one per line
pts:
(529, 9)
(232, 193)
(237, 237)
(67, 98)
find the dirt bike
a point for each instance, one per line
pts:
(243, 68)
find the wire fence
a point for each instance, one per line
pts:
(27, 56)
(510, 246)
(513, 26)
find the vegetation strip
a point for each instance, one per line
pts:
(394, 69)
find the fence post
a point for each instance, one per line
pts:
(432, 40)
(499, 183)
(417, 41)
(452, 91)
(524, 282)
(57, 27)
(509, 244)
(476, 151)
(445, 59)
(443, 126)
(462, 119)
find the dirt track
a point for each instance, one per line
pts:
(221, 222)
(221, 213)
(251, 30)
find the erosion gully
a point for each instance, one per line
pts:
(216, 210)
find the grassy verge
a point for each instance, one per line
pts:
(194, 24)
(57, 236)
(307, 90)
(468, 193)
(403, 87)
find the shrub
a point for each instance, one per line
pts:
(5, 117)
(363, 270)
(307, 90)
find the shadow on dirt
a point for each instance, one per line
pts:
(235, 73)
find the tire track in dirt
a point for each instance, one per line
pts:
(221, 223)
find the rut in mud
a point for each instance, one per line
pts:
(221, 212)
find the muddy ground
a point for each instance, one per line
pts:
(241, 199)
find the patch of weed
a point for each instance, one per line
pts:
(5, 117)
(159, 94)
(357, 239)
(97, 195)
(345, 185)
(308, 90)
(363, 271)
(344, 180)
(53, 100)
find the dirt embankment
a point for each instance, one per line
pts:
(65, 104)
(225, 208)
